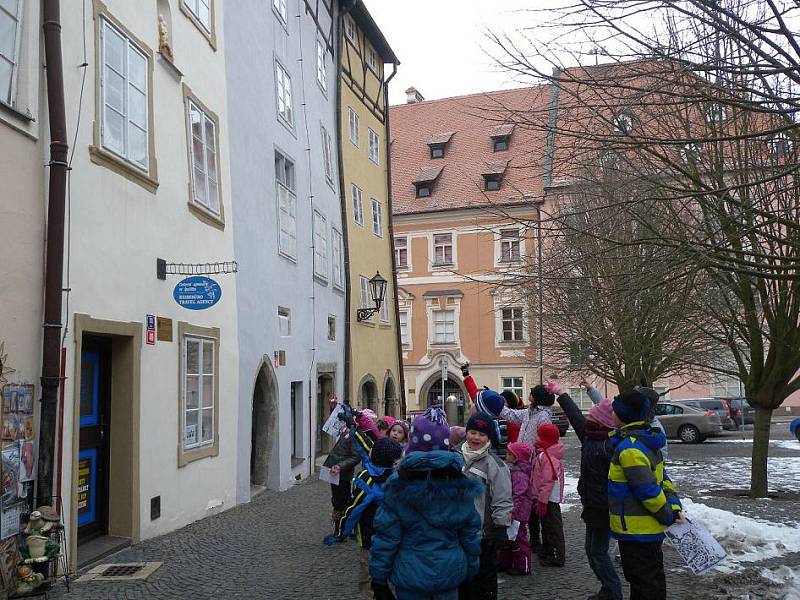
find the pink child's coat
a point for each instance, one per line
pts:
(547, 471)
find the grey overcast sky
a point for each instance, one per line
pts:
(441, 43)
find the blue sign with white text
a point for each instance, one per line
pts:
(197, 293)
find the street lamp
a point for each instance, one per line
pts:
(377, 289)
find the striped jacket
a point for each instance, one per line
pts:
(641, 498)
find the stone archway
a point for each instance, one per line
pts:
(368, 393)
(390, 403)
(430, 394)
(265, 418)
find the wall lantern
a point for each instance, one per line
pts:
(377, 289)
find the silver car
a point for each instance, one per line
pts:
(687, 423)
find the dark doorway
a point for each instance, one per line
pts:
(325, 391)
(389, 398)
(94, 437)
(369, 395)
(263, 427)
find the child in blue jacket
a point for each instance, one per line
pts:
(427, 531)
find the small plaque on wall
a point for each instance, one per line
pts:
(164, 329)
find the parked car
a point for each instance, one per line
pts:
(560, 419)
(794, 427)
(689, 424)
(741, 412)
(719, 405)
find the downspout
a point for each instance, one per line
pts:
(345, 222)
(398, 335)
(54, 257)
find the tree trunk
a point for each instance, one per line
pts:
(758, 467)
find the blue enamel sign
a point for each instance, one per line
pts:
(197, 293)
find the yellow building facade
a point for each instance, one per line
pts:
(367, 63)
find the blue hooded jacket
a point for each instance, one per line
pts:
(426, 535)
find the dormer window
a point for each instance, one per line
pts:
(493, 175)
(492, 182)
(500, 144)
(423, 190)
(438, 143)
(425, 180)
(501, 136)
(437, 151)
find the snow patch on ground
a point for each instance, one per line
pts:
(734, 472)
(788, 580)
(785, 444)
(745, 539)
(571, 497)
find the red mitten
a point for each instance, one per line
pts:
(541, 508)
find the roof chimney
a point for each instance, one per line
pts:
(413, 96)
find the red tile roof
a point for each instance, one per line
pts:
(428, 173)
(475, 119)
(441, 138)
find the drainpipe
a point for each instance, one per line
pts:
(54, 258)
(343, 196)
(399, 337)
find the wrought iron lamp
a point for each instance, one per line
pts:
(377, 289)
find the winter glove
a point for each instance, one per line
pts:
(513, 531)
(332, 539)
(465, 370)
(382, 591)
(541, 509)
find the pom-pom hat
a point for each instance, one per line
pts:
(429, 431)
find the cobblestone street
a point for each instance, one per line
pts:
(272, 549)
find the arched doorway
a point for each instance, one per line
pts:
(325, 391)
(368, 394)
(432, 394)
(265, 416)
(389, 397)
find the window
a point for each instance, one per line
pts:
(404, 339)
(401, 252)
(444, 326)
(283, 84)
(423, 190)
(320, 245)
(377, 218)
(350, 28)
(580, 354)
(374, 147)
(280, 9)
(581, 398)
(322, 66)
(358, 204)
(715, 113)
(372, 59)
(331, 328)
(366, 298)
(492, 183)
(284, 322)
(384, 311)
(509, 245)
(437, 151)
(623, 124)
(443, 249)
(500, 144)
(287, 205)
(10, 29)
(201, 9)
(336, 258)
(512, 325)
(513, 384)
(353, 126)
(690, 153)
(780, 144)
(726, 386)
(327, 154)
(123, 84)
(203, 152)
(296, 394)
(199, 390)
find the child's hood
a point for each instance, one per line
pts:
(556, 451)
(651, 437)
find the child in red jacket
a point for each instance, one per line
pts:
(517, 559)
(548, 493)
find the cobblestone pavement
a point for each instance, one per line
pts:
(271, 549)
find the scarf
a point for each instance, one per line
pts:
(470, 455)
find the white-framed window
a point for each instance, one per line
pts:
(358, 204)
(384, 311)
(337, 254)
(327, 154)
(401, 252)
(287, 205)
(726, 386)
(780, 144)
(442, 249)
(377, 218)
(623, 123)
(201, 9)
(405, 340)
(509, 245)
(372, 58)
(513, 329)
(581, 398)
(350, 28)
(124, 92)
(281, 10)
(199, 389)
(10, 34)
(716, 112)
(444, 326)
(320, 245)
(366, 297)
(283, 89)
(514, 384)
(284, 321)
(353, 124)
(322, 66)
(203, 152)
(374, 146)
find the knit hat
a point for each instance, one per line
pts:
(652, 397)
(541, 396)
(429, 431)
(484, 423)
(402, 423)
(512, 400)
(547, 435)
(370, 414)
(603, 413)
(489, 401)
(387, 420)
(631, 406)
(521, 451)
(457, 435)
(385, 452)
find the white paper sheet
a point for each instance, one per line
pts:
(326, 475)
(698, 548)
(333, 426)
